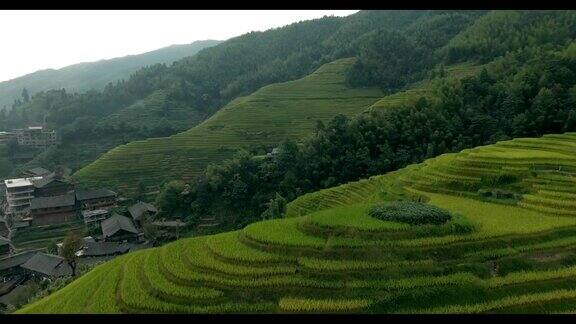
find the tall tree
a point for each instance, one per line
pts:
(72, 243)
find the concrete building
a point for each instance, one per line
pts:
(43, 265)
(36, 137)
(19, 194)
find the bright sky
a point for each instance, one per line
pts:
(35, 40)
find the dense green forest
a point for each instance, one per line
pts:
(161, 100)
(529, 91)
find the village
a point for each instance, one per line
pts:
(40, 207)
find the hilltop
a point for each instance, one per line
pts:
(82, 77)
(505, 248)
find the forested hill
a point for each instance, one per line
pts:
(94, 75)
(176, 97)
(527, 89)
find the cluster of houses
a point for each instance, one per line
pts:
(117, 234)
(42, 198)
(120, 234)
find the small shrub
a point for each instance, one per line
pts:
(414, 213)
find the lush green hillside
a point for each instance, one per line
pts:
(162, 100)
(94, 75)
(507, 247)
(425, 88)
(262, 119)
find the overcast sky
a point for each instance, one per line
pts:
(37, 40)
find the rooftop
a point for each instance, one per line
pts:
(16, 260)
(20, 182)
(116, 223)
(92, 213)
(46, 180)
(38, 171)
(48, 264)
(83, 194)
(52, 202)
(139, 208)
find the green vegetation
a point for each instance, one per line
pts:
(266, 117)
(463, 112)
(487, 229)
(414, 213)
(160, 100)
(493, 255)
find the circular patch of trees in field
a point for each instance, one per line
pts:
(411, 212)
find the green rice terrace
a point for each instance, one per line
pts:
(487, 230)
(264, 118)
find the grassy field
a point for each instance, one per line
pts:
(499, 253)
(262, 119)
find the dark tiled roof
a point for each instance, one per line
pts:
(94, 194)
(48, 264)
(115, 223)
(139, 208)
(41, 183)
(38, 171)
(51, 202)
(16, 260)
(105, 248)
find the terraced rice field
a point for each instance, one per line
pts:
(330, 256)
(262, 119)
(423, 88)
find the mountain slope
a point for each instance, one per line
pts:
(495, 255)
(262, 119)
(94, 75)
(160, 100)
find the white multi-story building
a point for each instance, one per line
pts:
(19, 194)
(35, 136)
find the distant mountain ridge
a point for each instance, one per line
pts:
(94, 75)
